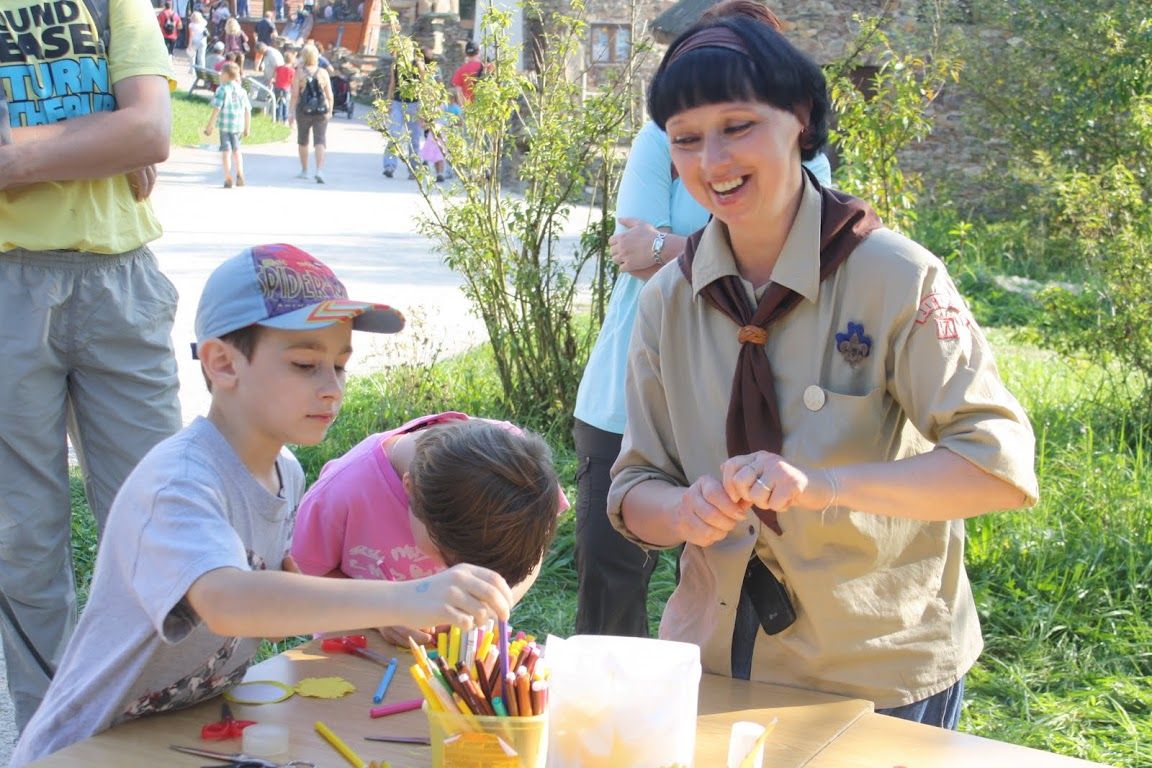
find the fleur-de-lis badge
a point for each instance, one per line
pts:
(853, 344)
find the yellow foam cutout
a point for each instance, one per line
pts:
(324, 687)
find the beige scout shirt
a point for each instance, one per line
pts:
(885, 610)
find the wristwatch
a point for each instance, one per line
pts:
(658, 247)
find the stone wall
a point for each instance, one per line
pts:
(633, 14)
(825, 30)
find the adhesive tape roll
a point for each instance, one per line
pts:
(265, 739)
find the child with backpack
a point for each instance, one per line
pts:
(232, 116)
(170, 25)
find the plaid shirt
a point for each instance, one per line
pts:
(232, 102)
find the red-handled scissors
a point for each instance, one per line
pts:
(356, 644)
(228, 727)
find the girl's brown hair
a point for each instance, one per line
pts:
(488, 495)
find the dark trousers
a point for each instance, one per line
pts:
(941, 709)
(613, 572)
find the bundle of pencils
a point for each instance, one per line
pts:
(482, 672)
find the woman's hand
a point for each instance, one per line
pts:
(631, 250)
(764, 480)
(706, 512)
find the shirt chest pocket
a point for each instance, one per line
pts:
(832, 429)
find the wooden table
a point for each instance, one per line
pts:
(877, 741)
(815, 729)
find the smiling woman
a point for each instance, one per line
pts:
(738, 159)
(823, 522)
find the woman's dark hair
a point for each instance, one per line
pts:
(752, 9)
(772, 71)
(487, 495)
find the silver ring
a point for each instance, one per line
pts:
(770, 488)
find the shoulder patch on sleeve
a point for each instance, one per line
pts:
(947, 311)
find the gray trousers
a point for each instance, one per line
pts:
(87, 353)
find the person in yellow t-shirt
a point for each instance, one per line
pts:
(86, 313)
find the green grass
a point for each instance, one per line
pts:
(1061, 589)
(190, 113)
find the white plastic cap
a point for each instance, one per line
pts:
(265, 739)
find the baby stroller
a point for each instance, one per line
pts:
(342, 96)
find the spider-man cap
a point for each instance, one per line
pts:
(281, 286)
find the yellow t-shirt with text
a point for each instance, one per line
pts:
(52, 69)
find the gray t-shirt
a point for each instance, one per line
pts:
(189, 507)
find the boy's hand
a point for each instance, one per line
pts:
(245, 134)
(141, 181)
(208, 131)
(398, 636)
(464, 595)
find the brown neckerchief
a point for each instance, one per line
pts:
(753, 422)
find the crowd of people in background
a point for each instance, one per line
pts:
(214, 38)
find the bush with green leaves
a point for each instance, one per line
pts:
(1065, 109)
(877, 121)
(528, 149)
(1105, 217)
(1071, 78)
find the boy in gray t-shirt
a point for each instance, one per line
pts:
(193, 568)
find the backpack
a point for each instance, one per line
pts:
(312, 101)
(98, 10)
(169, 24)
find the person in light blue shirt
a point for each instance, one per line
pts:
(655, 215)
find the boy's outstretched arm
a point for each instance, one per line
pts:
(234, 602)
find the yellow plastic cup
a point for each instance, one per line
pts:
(464, 741)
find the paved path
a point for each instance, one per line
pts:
(360, 223)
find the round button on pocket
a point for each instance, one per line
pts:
(814, 398)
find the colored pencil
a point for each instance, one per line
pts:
(385, 681)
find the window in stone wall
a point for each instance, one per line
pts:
(610, 43)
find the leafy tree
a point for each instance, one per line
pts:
(528, 149)
(882, 116)
(1068, 95)
(1071, 78)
